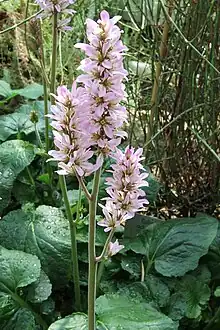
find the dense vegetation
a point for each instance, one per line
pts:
(167, 276)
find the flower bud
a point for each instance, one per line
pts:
(34, 117)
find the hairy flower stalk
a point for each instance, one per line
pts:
(87, 122)
(104, 89)
(125, 194)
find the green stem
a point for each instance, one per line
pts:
(79, 205)
(24, 304)
(20, 23)
(92, 255)
(54, 58)
(72, 225)
(30, 176)
(83, 186)
(109, 238)
(99, 274)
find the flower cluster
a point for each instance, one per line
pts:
(50, 7)
(104, 73)
(72, 142)
(124, 188)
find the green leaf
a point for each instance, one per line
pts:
(119, 312)
(32, 91)
(217, 292)
(45, 233)
(152, 291)
(175, 246)
(132, 264)
(5, 89)
(15, 155)
(138, 224)
(40, 290)
(178, 306)
(14, 123)
(18, 269)
(19, 121)
(23, 319)
(77, 321)
(196, 295)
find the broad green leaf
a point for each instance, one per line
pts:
(13, 124)
(152, 291)
(77, 321)
(23, 319)
(5, 89)
(45, 233)
(213, 257)
(19, 121)
(175, 246)
(138, 224)
(177, 307)
(119, 312)
(18, 269)
(15, 155)
(32, 91)
(132, 264)
(195, 293)
(40, 290)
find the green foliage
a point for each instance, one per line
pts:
(32, 91)
(175, 246)
(152, 290)
(18, 269)
(40, 290)
(43, 232)
(20, 272)
(19, 121)
(22, 319)
(76, 321)
(15, 155)
(195, 293)
(121, 312)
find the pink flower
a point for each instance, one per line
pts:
(114, 248)
(103, 81)
(124, 188)
(49, 7)
(113, 217)
(71, 138)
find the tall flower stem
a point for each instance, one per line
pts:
(92, 255)
(72, 225)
